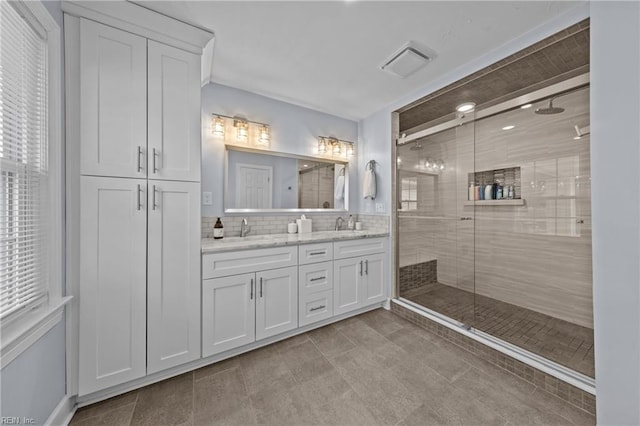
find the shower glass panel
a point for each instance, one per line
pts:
(494, 224)
(533, 277)
(435, 227)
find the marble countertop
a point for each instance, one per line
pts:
(210, 245)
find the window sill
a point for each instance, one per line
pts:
(18, 337)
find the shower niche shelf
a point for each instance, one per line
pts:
(502, 202)
(508, 176)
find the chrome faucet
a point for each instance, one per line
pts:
(339, 222)
(244, 227)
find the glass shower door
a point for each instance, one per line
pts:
(435, 222)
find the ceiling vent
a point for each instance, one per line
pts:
(407, 60)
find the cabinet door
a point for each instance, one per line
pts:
(174, 113)
(173, 288)
(113, 99)
(228, 313)
(375, 272)
(277, 301)
(348, 277)
(113, 247)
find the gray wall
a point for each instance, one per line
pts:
(615, 153)
(294, 130)
(34, 383)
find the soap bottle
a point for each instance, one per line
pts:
(350, 223)
(472, 191)
(218, 230)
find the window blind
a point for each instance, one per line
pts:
(23, 164)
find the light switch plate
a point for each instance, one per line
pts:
(379, 208)
(207, 198)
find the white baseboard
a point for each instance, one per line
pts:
(62, 414)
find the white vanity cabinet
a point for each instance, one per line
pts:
(359, 271)
(243, 301)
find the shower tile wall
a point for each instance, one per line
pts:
(538, 255)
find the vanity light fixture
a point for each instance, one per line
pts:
(217, 125)
(242, 129)
(322, 145)
(259, 134)
(349, 149)
(335, 147)
(264, 135)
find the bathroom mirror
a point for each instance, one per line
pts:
(258, 181)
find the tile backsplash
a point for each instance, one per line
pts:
(278, 224)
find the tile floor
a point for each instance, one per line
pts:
(558, 340)
(376, 368)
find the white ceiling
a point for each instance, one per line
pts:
(326, 55)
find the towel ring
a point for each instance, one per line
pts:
(370, 165)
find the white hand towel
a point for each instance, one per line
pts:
(369, 190)
(339, 192)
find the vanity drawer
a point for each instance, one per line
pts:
(313, 253)
(216, 265)
(316, 307)
(315, 277)
(361, 247)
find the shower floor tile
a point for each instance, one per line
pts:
(561, 341)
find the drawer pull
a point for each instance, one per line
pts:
(251, 288)
(366, 267)
(314, 253)
(317, 308)
(318, 279)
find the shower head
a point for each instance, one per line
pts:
(550, 109)
(416, 147)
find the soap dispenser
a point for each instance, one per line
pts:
(350, 223)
